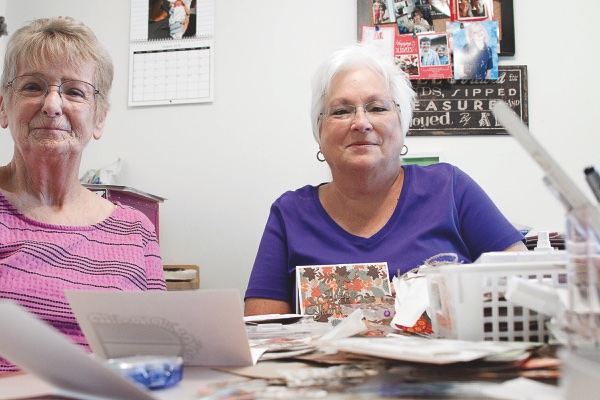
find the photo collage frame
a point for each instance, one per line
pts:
(440, 39)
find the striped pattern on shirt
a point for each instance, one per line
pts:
(39, 261)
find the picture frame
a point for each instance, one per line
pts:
(503, 12)
(506, 21)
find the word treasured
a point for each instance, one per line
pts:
(451, 107)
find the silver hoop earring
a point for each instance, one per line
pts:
(320, 156)
(405, 150)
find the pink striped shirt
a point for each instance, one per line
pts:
(38, 261)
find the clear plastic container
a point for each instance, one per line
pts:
(151, 372)
(583, 248)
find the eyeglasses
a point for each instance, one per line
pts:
(34, 86)
(347, 112)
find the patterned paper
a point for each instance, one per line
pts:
(324, 289)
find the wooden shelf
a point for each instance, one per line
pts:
(183, 284)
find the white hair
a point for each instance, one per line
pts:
(355, 56)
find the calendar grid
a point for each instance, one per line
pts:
(172, 70)
(171, 75)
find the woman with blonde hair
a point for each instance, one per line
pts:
(55, 234)
(475, 60)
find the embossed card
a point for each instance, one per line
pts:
(205, 327)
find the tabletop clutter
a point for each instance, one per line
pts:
(519, 325)
(490, 329)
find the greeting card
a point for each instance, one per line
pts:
(323, 290)
(423, 56)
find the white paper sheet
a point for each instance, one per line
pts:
(205, 327)
(67, 369)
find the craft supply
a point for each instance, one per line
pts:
(151, 372)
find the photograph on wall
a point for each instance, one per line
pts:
(406, 55)
(382, 38)
(383, 13)
(413, 17)
(420, 20)
(474, 47)
(440, 9)
(404, 8)
(403, 24)
(494, 10)
(472, 10)
(171, 19)
(427, 53)
(409, 63)
(423, 56)
(399, 7)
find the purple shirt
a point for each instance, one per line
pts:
(39, 261)
(440, 210)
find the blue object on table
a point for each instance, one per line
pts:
(151, 372)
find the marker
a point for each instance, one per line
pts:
(593, 179)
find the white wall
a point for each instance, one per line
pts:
(221, 165)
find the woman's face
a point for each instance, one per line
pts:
(51, 124)
(364, 142)
(464, 8)
(478, 35)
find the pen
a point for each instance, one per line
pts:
(593, 179)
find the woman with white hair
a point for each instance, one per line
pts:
(374, 209)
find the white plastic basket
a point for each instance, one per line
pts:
(467, 301)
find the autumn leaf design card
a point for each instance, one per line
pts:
(324, 289)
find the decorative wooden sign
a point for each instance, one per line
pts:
(462, 107)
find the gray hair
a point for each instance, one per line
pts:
(60, 40)
(355, 56)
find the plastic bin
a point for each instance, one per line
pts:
(467, 301)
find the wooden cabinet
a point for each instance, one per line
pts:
(145, 202)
